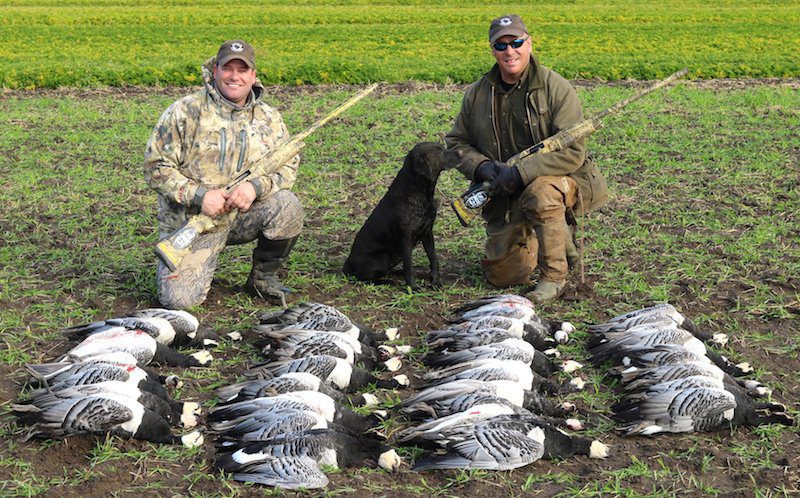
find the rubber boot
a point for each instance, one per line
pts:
(553, 265)
(269, 257)
(546, 291)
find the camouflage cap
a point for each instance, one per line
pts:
(509, 24)
(236, 49)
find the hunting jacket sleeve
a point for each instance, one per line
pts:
(458, 138)
(164, 155)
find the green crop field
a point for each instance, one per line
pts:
(89, 43)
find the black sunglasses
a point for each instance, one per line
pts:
(501, 46)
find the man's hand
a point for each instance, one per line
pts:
(508, 183)
(241, 198)
(487, 171)
(214, 203)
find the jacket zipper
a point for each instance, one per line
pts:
(507, 213)
(530, 118)
(222, 145)
(494, 127)
(243, 140)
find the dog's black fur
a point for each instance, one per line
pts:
(402, 218)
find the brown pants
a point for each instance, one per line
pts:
(533, 233)
(278, 217)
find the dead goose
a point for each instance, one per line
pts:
(288, 382)
(495, 299)
(101, 413)
(138, 343)
(425, 403)
(651, 334)
(512, 310)
(504, 442)
(671, 354)
(158, 328)
(657, 313)
(119, 366)
(342, 374)
(263, 425)
(186, 326)
(316, 316)
(635, 379)
(226, 417)
(510, 349)
(293, 460)
(176, 413)
(289, 345)
(536, 333)
(691, 405)
(489, 370)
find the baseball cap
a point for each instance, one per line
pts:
(509, 24)
(236, 49)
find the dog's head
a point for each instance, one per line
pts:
(429, 159)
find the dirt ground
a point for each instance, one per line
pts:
(733, 473)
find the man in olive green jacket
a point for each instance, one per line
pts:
(517, 104)
(200, 144)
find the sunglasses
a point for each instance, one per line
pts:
(501, 46)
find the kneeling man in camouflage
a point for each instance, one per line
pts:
(517, 104)
(201, 143)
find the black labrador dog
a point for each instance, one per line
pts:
(402, 218)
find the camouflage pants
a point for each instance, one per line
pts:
(534, 233)
(278, 217)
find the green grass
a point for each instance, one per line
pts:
(703, 215)
(118, 43)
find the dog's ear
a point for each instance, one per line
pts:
(408, 162)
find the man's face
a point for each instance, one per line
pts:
(234, 80)
(513, 61)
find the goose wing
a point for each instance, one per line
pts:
(659, 312)
(516, 350)
(487, 447)
(183, 322)
(466, 339)
(287, 473)
(496, 299)
(299, 313)
(138, 343)
(685, 410)
(266, 425)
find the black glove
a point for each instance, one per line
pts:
(508, 183)
(487, 171)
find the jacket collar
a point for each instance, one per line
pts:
(211, 88)
(532, 77)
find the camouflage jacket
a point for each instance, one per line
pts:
(542, 104)
(203, 141)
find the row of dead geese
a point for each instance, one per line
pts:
(486, 405)
(291, 417)
(673, 382)
(103, 385)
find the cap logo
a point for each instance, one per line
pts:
(237, 47)
(506, 21)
